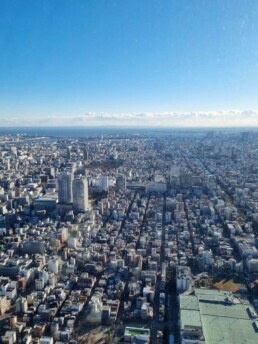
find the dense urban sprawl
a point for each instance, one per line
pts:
(129, 238)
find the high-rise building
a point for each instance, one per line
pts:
(103, 183)
(65, 194)
(121, 182)
(80, 194)
(85, 154)
(68, 153)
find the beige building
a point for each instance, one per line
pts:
(5, 305)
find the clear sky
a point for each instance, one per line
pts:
(128, 62)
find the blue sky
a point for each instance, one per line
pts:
(129, 62)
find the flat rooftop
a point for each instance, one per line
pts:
(221, 322)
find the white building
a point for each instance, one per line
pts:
(65, 194)
(46, 340)
(53, 265)
(21, 305)
(96, 307)
(10, 337)
(72, 242)
(183, 278)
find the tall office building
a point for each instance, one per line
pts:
(121, 182)
(68, 153)
(85, 154)
(103, 183)
(80, 194)
(65, 194)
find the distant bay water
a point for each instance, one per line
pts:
(86, 132)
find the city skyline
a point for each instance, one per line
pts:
(130, 63)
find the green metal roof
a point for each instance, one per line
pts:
(189, 302)
(225, 330)
(190, 317)
(221, 323)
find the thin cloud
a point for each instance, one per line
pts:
(219, 118)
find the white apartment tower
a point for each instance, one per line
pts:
(80, 194)
(65, 194)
